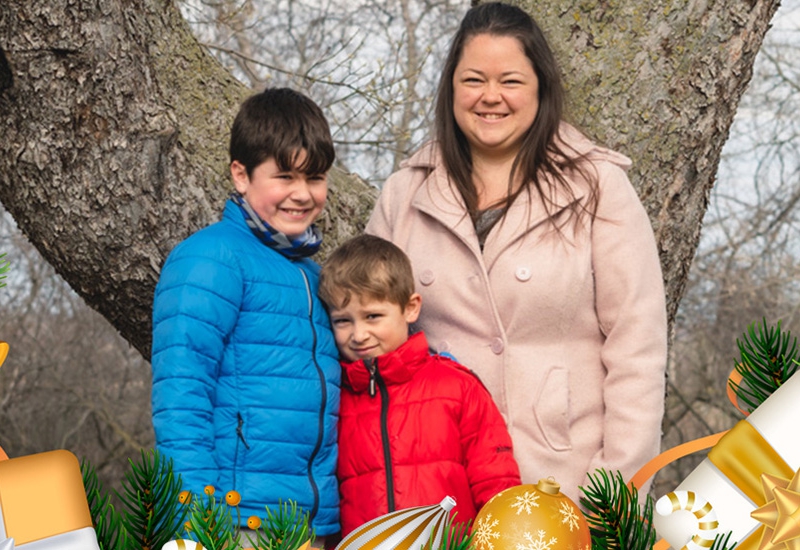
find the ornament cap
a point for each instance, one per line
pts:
(548, 486)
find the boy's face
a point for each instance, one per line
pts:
(368, 328)
(289, 201)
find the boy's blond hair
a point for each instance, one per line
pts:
(368, 267)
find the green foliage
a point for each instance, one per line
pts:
(152, 513)
(614, 516)
(456, 537)
(768, 359)
(5, 266)
(150, 498)
(157, 511)
(286, 529)
(111, 534)
(722, 544)
(211, 524)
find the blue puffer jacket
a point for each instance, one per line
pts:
(245, 373)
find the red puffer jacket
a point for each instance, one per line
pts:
(418, 428)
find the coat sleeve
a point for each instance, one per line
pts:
(195, 308)
(488, 450)
(631, 311)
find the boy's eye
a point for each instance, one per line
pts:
(374, 316)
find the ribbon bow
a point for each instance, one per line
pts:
(781, 513)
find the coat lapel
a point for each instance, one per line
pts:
(439, 200)
(526, 214)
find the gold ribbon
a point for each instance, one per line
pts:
(744, 457)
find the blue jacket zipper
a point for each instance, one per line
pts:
(324, 400)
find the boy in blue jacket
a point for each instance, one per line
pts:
(245, 371)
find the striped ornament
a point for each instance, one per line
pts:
(707, 524)
(182, 544)
(406, 529)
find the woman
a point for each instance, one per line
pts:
(534, 257)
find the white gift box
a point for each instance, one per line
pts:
(726, 487)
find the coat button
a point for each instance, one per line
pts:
(523, 274)
(426, 277)
(497, 346)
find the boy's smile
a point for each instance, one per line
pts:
(370, 328)
(288, 200)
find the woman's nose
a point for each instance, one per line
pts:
(491, 93)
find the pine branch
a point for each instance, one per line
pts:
(5, 266)
(614, 516)
(457, 536)
(153, 514)
(286, 529)
(768, 359)
(720, 544)
(210, 523)
(107, 523)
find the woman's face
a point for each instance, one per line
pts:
(495, 94)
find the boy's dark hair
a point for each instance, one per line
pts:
(278, 123)
(368, 267)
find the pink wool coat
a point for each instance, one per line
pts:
(568, 332)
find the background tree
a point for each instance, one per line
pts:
(747, 266)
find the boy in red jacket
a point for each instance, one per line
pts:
(413, 427)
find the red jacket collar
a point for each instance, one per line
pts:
(395, 367)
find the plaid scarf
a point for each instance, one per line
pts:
(305, 245)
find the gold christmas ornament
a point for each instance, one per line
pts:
(531, 517)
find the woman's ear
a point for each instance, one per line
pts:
(239, 175)
(413, 308)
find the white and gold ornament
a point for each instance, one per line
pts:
(406, 529)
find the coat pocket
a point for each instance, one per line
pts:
(551, 409)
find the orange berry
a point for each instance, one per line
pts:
(209, 490)
(233, 498)
(253, 522)
(185, 497)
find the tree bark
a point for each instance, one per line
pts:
(660, 81)
(114, 125)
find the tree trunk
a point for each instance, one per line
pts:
(114, 125)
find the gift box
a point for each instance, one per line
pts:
(43, 504)
(749, 484)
